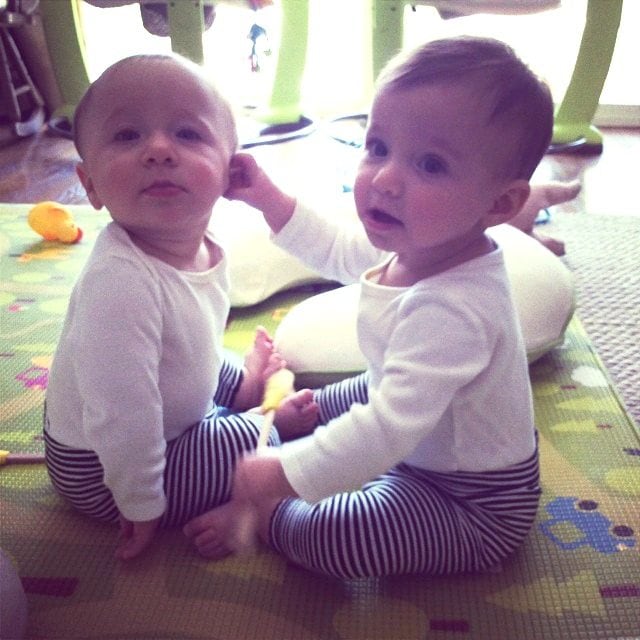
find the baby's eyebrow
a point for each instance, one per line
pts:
(443, 144)
(120, 112)
(120, 118)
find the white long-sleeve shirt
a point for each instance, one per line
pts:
(137, 364)
(449, 387)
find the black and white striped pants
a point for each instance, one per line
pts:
(199, 464)
(408, 520)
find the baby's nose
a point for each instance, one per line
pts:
(388, 179)
(159, 149)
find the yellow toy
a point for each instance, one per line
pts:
(6, 457)
(279, 385)
(54, 221)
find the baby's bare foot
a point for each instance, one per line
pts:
(230, 528)
(260, 363)
(542, 197)
(554, 193)
(257, 360)
(297, 415)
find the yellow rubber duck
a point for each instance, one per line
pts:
(54, 221)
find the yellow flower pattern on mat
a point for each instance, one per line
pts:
(545, 389)
(57, 306)
(585, 403)
(624, 480)
(580, 593)
(575, 426)
(264, 566)
(33, 277)
(42, 361)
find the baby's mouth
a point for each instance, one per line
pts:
(162, 188)
(379, 216)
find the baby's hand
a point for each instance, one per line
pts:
(297, 415)
(249, 182)
(135, 537)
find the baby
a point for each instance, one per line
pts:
(428, 462)
(136, 429)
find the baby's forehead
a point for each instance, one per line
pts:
(144, 75)
(417, 105)
(155, 84)
(158, 87)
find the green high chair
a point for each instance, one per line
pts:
(573, 126)
(63, 31)
(573, 119)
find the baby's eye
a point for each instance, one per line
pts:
(432, 164)
(126, 135)
(376, 148)
(187, 133)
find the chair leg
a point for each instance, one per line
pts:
(573, 120)
(186, 26)
(387, 36)
(63, 33)
(284, 104)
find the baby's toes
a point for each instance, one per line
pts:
(274, 364)
(301, 399)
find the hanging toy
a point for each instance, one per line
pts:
(255, 33)
(54, 221)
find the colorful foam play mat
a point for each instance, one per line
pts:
(577, 576)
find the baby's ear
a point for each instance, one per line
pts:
(87, 183)
(509, 202)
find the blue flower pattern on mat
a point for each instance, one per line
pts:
(597, 530)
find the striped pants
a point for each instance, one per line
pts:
(199, 464)
(408, 520)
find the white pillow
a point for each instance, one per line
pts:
(318, 336)
(257, 267)
(543, 288)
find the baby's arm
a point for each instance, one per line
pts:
(249, 182)
(122, 419)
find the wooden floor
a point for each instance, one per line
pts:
(43, 168)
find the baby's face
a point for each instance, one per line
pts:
(429, 174)
(156, 147)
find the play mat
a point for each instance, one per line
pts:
(577, 576)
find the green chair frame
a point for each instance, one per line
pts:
(573, 118)
(63, 32)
